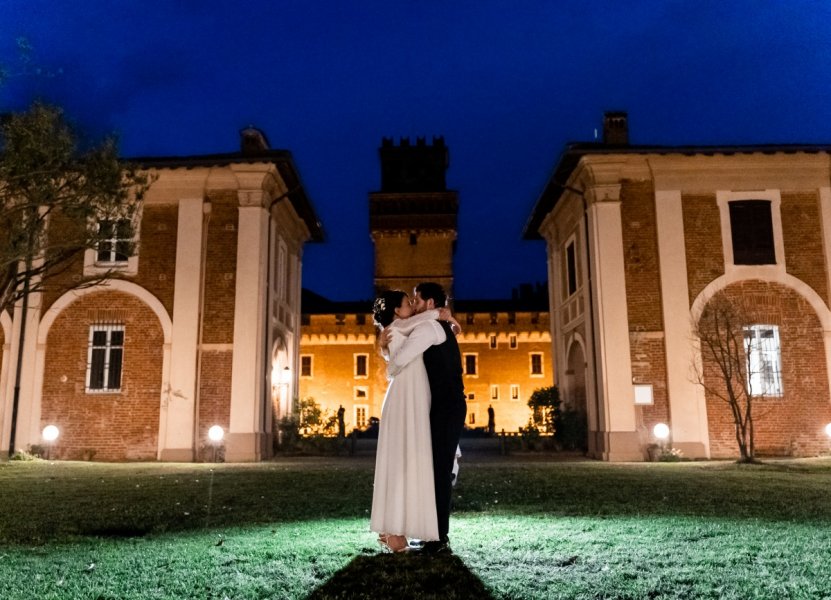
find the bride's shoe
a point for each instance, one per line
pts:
(397, 543)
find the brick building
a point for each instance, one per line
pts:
(196, 330)
(506, 344)
(639, 239)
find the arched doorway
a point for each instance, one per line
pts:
(574, 412)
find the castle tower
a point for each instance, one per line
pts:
(412, 219)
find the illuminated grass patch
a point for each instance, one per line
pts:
(525, 530)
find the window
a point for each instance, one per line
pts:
(751, 231)
(361, 361)
(305, 319)
(361, 416)
(512, 341)
(494, 392)
(105, 358)
(492, 341)
(536, 364)
(471, 396)
(470, 361)
(511, 318)
(469, 319)
(571, 269)
(494, 319)
(306, 365)
(514, 391)
(116, 240)
(360, 319)
(764, 365)
(340, 319)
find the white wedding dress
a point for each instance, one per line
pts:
(403, 498)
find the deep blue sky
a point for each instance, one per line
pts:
(506, 83)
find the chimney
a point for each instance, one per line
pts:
(615, 128)
(252, 141)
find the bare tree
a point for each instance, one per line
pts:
(56, 202)
(730, 370)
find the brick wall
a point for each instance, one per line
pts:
(157, 252)
(640, 248)
(108, 426)
(214, 396)
(649, 366)
(702, 238)
(220, 281)
(802, 233)
(791, 424)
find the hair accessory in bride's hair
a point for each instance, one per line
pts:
(379, 306)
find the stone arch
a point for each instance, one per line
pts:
(790, 424)
(576, 392)
(104, 426)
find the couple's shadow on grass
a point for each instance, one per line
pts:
(403, 576)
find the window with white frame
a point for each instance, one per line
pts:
(536, 364)
(361, 366)
(306, 362)
(492, 343)
(751, 232)
(512, 341)
(361, 416)
(570, 274)
(514, 391)
(764, 364)
(494, 392)
(114, 245)
(471, 396)
(105, 358)
(472, 409)
(471, 365)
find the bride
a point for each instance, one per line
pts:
(403, 498)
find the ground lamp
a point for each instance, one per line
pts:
(661, 432)
(215, 434)
(50, 434)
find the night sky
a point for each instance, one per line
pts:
(506, 83)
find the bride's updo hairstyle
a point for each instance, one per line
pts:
(383, 311)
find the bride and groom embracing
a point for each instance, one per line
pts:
(421, 420)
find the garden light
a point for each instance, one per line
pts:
(50, 433)
(661, 431)
(216, 433)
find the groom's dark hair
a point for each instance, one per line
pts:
(430, 290)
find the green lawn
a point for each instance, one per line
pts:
(523, 529)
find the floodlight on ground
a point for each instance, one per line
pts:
(50, 433)
(661, 431)
(216, 433)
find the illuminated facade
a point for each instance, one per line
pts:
(195, 331)
(639, 239)
(505, 344)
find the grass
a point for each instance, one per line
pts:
(522, 529)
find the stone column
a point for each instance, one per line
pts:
(687, 406)
(619, 440)
(176, 418)
(246, 437)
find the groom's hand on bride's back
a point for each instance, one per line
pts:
(385, 337)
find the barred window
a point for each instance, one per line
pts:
(764, 365)
(105, 358)
(495, 392)
(514, 392)
(361, 416)
(116, 238)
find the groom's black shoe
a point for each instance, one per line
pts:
(435, 548)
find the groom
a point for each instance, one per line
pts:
(447, 407)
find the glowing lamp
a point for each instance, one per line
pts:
(828, 430)
(661, 431)
(216, 433)
(50, 433)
